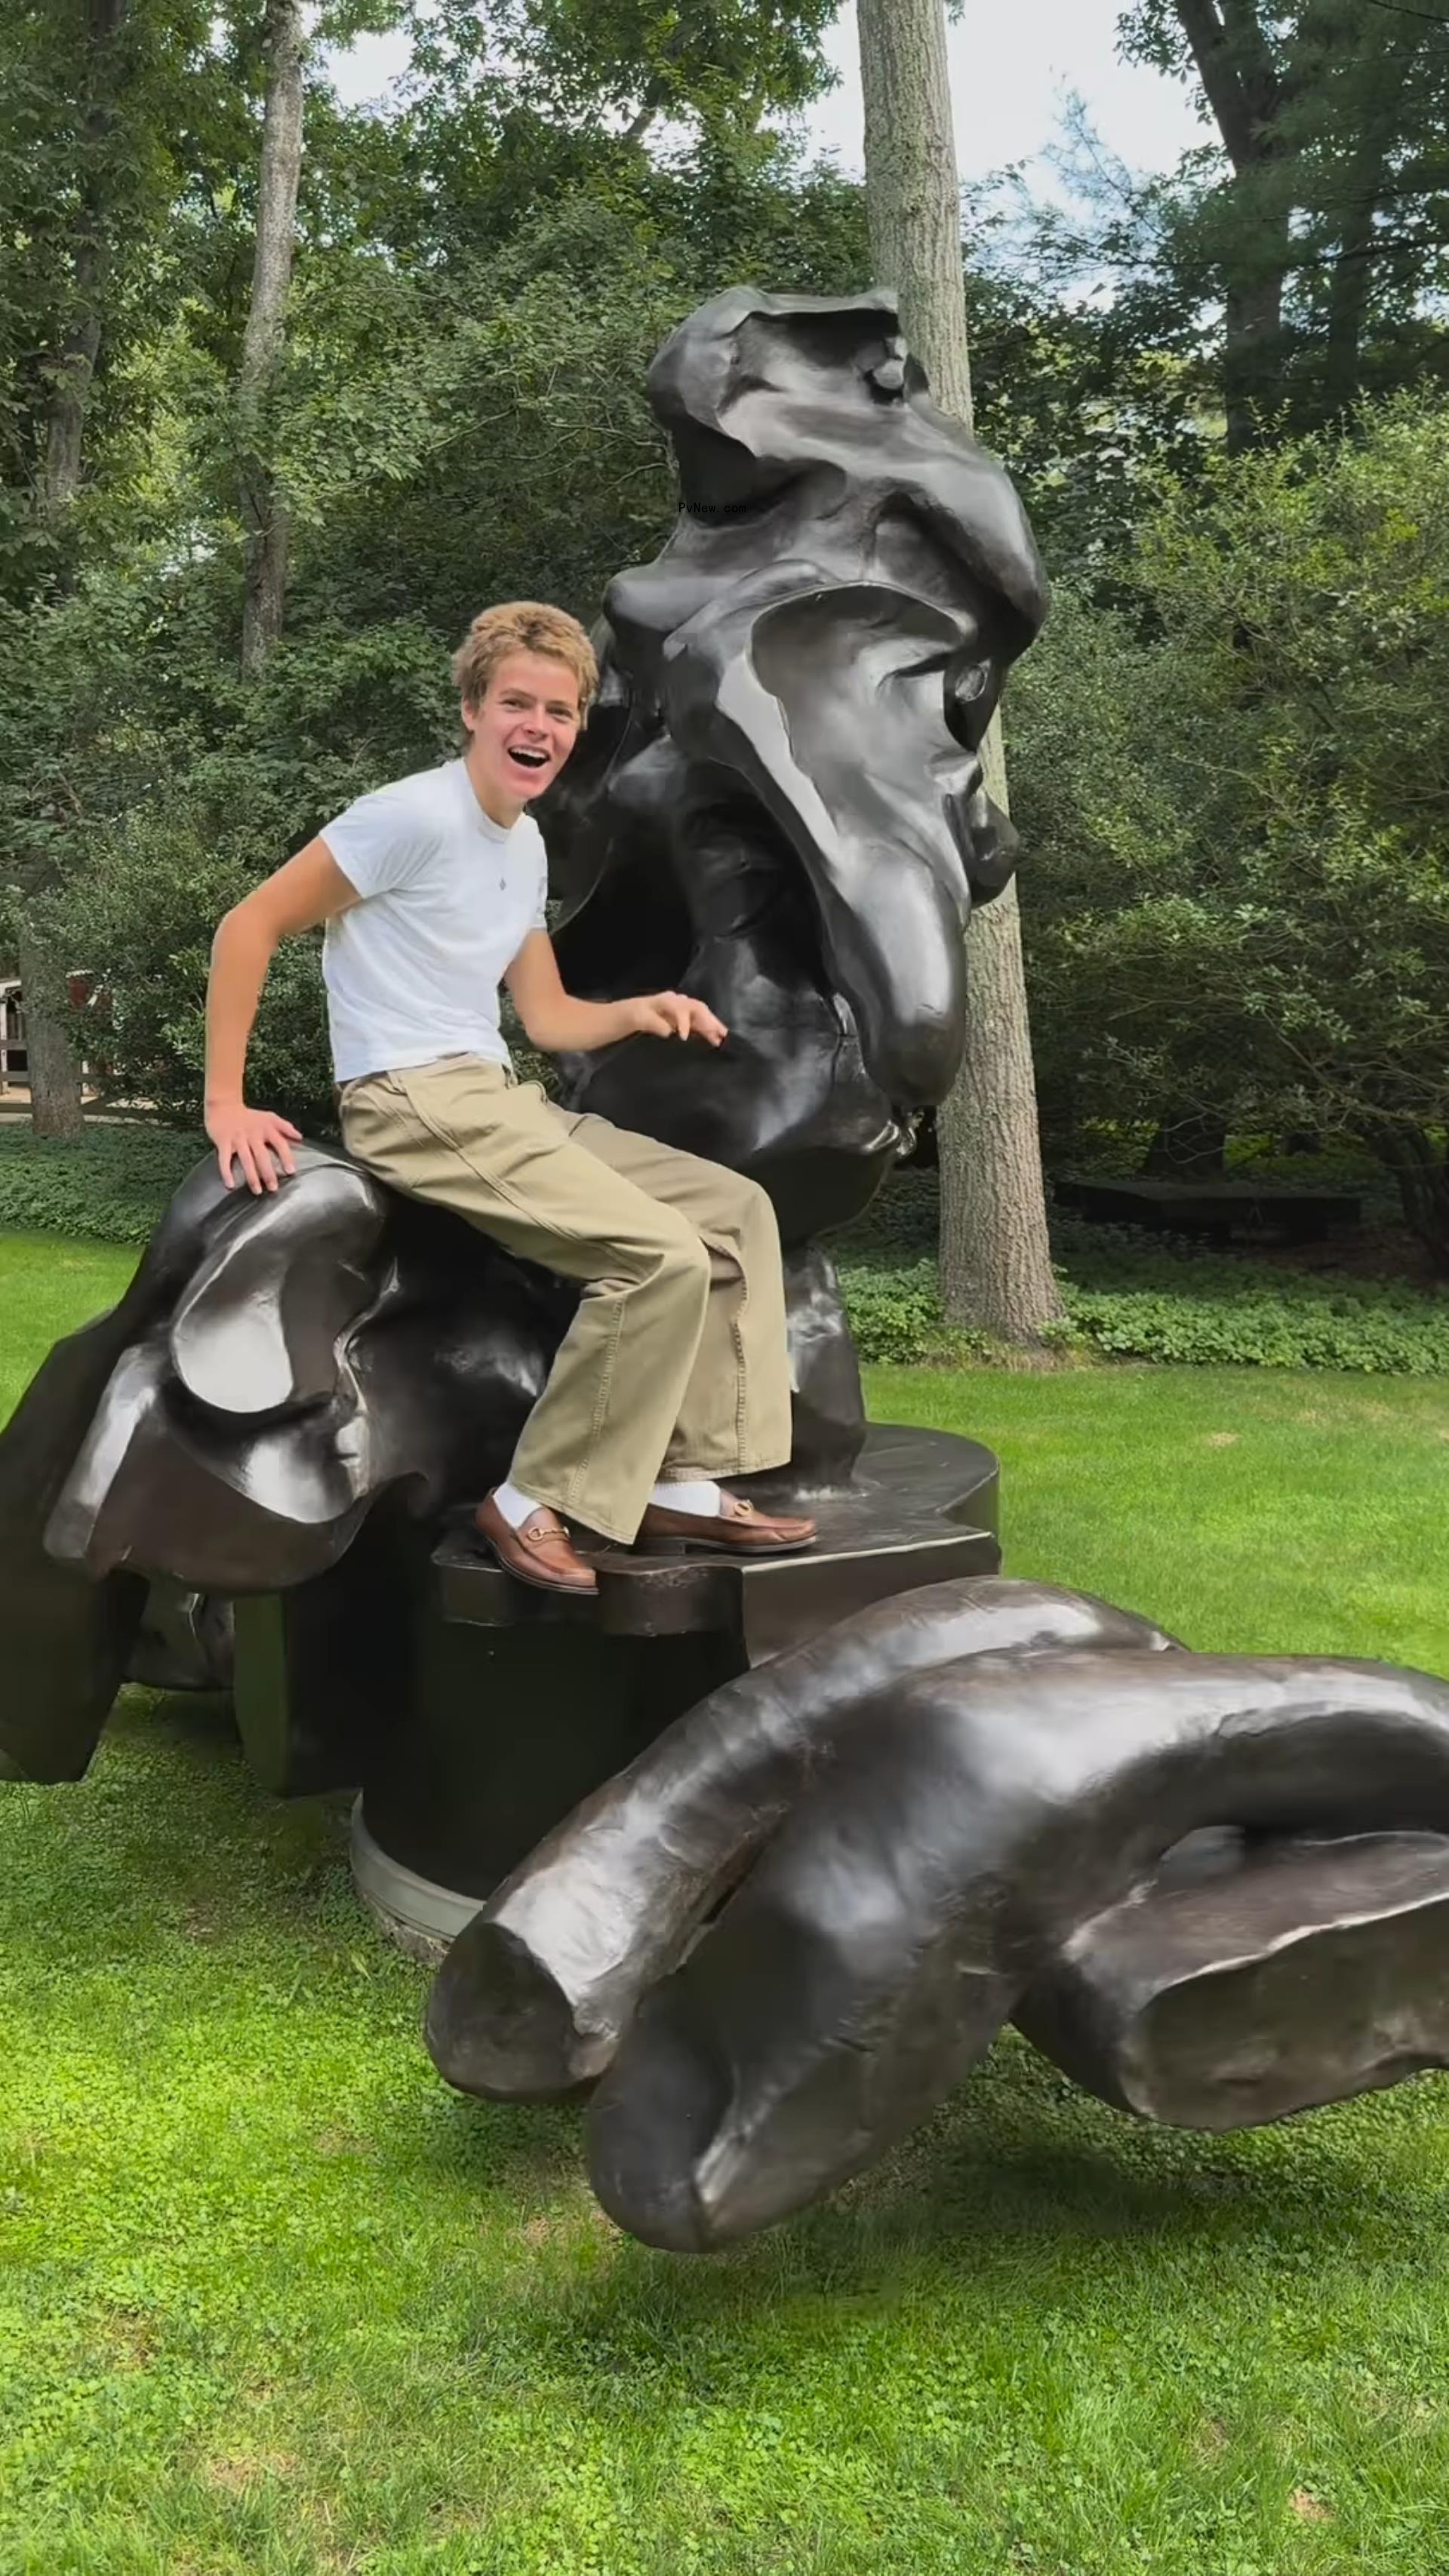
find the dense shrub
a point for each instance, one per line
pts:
(1132, 1295)
(895, 1313)
(898, 1228)
(112, 1185)
(1208, 1313)
(1318, 1323)
(1234, 793)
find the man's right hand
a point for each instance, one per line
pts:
(254, 1145)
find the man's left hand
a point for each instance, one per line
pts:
(674, 1015)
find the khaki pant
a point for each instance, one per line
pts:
(675, 1365)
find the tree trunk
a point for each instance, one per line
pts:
(1230, 47)
(996, 1268)
(1253, 358)
(264, 512)
(56, 1107)
(75, 359)
(1348, 301)
(53, 1067)
(1421, 1170)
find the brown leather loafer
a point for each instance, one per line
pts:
(740, 1530)
(541, 1552)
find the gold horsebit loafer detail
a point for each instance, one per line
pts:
(541, 1552)
(739, 1530)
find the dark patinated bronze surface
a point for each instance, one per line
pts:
(781, 806)
(610, 1901)
(935, 1867)
(1214, 1889)
(477, 1711)
(921, 1508)
(1299, 1969)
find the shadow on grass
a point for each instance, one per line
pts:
(1037, 2199)
(1023, 2184)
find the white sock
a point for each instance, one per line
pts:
(515, 1507)
(705, 1501)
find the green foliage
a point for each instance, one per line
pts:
(94, 144)
(1132, 1296)
(459, 415)
(1236, 799)
(901, 1224)
(1089, 398)
(148, 907)
(722, 62)
(470, 427)
(181, 788)
(1319, 220)
(110, 1187)
(483, 429)
(1206, 1316)
(1128, 1296)
(895, 1314)
(1136, 1295)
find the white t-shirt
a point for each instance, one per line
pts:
(449, 897)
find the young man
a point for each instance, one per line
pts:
(674, 1372)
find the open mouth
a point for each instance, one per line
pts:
(529, 760)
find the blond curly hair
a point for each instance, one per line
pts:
(523, 626)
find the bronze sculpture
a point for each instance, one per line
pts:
(971, 1801)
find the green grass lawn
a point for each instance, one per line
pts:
(272, 2301)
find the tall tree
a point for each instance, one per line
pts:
(1328, 232)
(1246, 88)
(53, 1066)
(1241, 904)
(106, 109)
(721, 65)
(996, 1270)
(264, 509)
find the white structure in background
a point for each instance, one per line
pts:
(13, 1058)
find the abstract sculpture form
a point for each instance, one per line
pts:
(779, 803)
(981, 1801)
(768, 1875)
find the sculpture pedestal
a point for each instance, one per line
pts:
(518, 1703)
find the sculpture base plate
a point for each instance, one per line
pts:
(520, 1702)
(417, 1914)
(921, 1507)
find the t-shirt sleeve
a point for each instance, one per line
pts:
(380, 842)
(540, 909)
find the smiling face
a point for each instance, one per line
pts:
(522, 731)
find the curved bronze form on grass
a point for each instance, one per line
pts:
(534, 1995)
(947, 1813)
(1259, 1975)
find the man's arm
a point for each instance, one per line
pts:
(561, 1025)
(308, 890)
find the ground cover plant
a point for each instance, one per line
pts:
(1134, 1295)
(110, 1185)
(1146, 1298)
(271, 2299)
